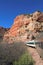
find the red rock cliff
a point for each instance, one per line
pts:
(26, 25)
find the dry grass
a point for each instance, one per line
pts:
(10, 52)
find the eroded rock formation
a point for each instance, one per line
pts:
(26, 27)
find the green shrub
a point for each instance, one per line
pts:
(25, 59)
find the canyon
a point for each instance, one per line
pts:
(25, 27)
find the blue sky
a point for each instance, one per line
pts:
(9, 9)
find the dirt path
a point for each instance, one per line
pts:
(35, 55)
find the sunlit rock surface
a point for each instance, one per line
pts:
(25, 27)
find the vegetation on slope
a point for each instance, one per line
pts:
(14, 54)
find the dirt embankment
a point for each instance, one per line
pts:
(35, 55)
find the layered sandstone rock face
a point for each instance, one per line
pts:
(26, 26)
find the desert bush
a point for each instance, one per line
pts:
(11, 52)
(25, 59)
